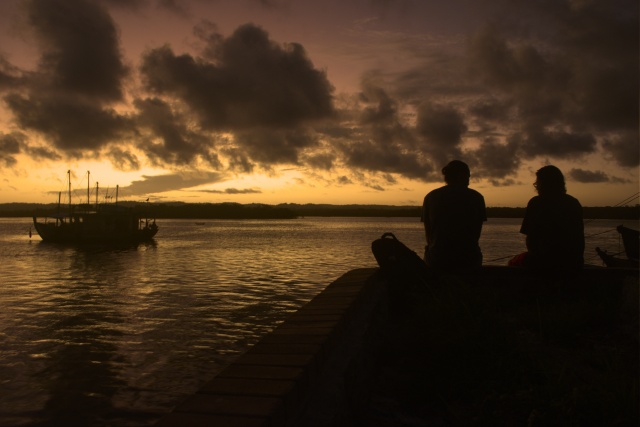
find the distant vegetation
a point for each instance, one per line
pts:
(217, 211)
(179, 210)
(167, 210)
(607, 212)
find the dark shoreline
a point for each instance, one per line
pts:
(180, 210)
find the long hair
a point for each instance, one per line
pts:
(550, 181)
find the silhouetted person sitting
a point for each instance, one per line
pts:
(553, 225)
(453, 217)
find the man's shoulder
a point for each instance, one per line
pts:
(475, 193)
(452, 189)
(435, 193)
(450, 193)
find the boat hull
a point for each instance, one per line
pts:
(631, 241)
(95, 229)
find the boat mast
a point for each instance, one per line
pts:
(96, 195)
(69, 175)
(88, 202)
(117, 187)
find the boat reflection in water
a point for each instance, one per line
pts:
(95, 224)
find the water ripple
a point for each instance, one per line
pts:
(117, 337)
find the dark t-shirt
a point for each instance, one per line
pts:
(453, 217)
(555, 232)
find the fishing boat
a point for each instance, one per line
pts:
(106, 223)
(631, 243)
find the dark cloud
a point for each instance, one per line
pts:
(253, 82)
(624, 148)
(571, 61)
(601, 41)
(127, 4)
(441, 126)
(170, 182)
(171, 141)
(380, 108)
(10, 76)
(389, 179)
(272, 4)
(72, 125)
(556, 144)
(502, 182)
(380, 142)
(324, 161)
(10, 146)
(373, 157)
(207, 32)
(178, 7)
(374, 186)
(40, 152)
(581, 175)
(553, 79)
(123, 160)
(494, 160)
(344, 180)
(80, 73)
(238, 160)
(269, 147)
(233, 191)
(441, 129)
(567, 72)
(490, 111)
(80, 48)
(15, 143)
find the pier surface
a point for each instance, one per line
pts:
(495, 348)
(295, 374)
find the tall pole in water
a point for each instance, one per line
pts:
(88, 202)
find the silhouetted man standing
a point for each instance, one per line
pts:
(453, 217)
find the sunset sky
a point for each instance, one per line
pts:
(306, 101)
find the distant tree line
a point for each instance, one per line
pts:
(216, 211)
(354, 210)
(606, 212)
(179, 210)
(165, 210)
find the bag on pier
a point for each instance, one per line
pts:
(397, 260)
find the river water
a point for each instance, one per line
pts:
(99, 336)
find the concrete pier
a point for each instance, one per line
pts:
(479, 349)
(301, 372)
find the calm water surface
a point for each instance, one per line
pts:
(117, 337)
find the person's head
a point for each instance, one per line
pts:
(456, 173)
(550, 181)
